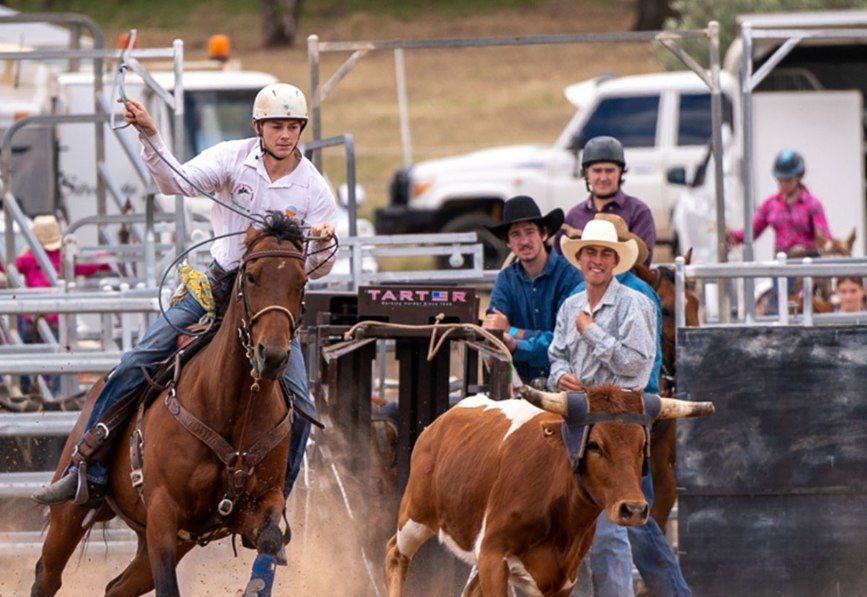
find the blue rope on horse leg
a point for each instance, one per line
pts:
(262, 577)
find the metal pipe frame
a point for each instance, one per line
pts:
(37, 423)
(72, 304)
(130, 218)
(348, 142)
(14, 214)
(102, 109)
(53, 364)
(72, 19)
(95, 54)
(748, 82)
(178, 142)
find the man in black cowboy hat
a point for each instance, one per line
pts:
(528, 292)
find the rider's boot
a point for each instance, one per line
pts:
(75, 486)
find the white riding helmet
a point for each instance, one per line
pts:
(280, 100)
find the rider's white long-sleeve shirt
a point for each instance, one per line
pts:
(235, 173)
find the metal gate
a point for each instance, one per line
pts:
(772, 486)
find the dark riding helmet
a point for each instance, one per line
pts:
(788, 164)
(603, 149)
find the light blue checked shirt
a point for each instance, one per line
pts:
(618, 348)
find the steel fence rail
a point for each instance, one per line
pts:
(80, 362)
(782, 269)
(40, 423)
(515, 40)
(72, 304)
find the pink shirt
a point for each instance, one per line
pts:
(793, 224)
(34, 277)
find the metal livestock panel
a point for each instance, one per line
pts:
(772, 487)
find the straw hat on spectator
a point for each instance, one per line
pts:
(601, 233)
(46, 228)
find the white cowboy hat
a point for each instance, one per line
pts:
(601, 233)
(46, 229)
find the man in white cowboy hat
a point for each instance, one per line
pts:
(607, 333)
(651, 552)
(529, 291)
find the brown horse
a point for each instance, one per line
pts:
(664, 433)
(184, 480)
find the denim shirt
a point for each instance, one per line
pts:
(630, 280)
(531, 304)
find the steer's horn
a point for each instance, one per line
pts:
(671, 408)
(550, 401)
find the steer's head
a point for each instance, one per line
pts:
(610, 467)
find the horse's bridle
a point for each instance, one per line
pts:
(247, 321)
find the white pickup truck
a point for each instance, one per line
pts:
(663, 121)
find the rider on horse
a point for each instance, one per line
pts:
(258, 174)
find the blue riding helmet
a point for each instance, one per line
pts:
(788, 164)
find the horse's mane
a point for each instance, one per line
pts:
(279, 226)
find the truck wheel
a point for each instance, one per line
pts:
(494, 248)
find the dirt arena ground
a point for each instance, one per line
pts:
(325, 553)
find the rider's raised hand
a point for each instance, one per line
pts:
(136, 114)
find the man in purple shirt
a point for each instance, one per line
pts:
(603, 166)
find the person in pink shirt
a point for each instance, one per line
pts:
(793, 213)
(46, 229)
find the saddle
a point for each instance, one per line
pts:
(98, 443)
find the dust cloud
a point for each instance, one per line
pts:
(337, 545)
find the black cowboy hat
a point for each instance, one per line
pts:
(524, 209)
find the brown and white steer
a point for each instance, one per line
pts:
(494, 481)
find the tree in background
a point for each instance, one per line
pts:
(695, 14)
(650, 15)
(280, 21)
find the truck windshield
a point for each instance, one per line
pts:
(212, 116)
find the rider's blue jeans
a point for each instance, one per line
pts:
(159, 343)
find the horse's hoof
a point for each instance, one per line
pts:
(254, 587)
(280, 556)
